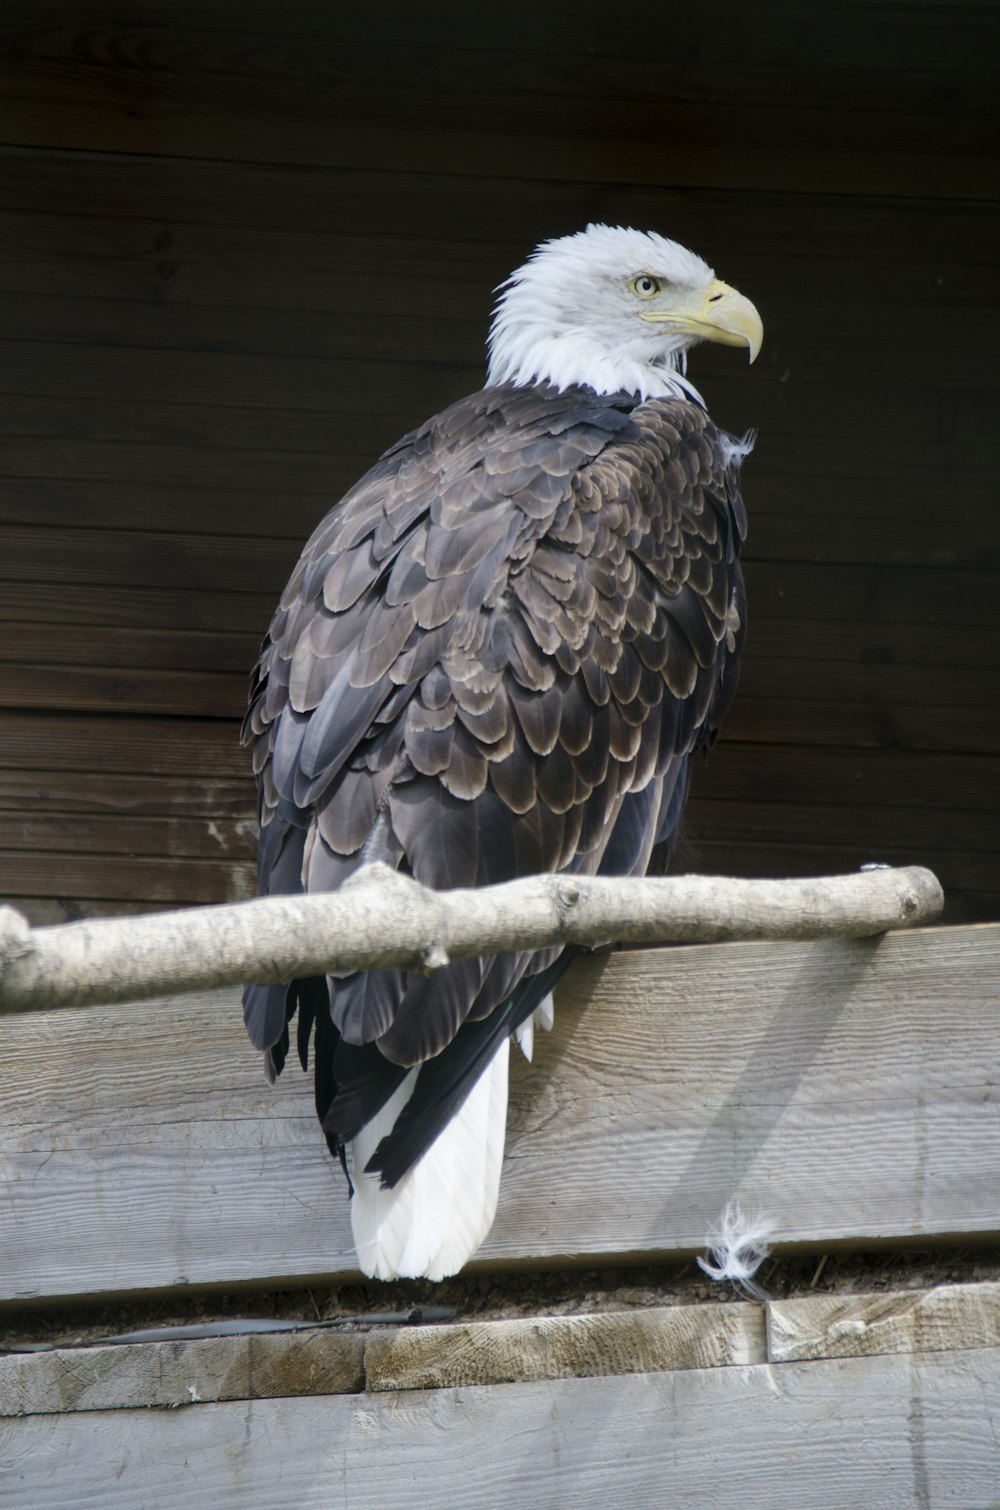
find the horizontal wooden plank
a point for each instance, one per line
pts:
(864, 640)
(845, 1088)
(862, 477)
(838, 778)
(179, 881)
(306, 1361)
(783, 717)
(195, 694)
(250, 1366)
(140, 746)
(879, 340)
(756, 810)
(364, 124)
(895, 1432)
(286, 259)
(755, 38)
(164, 198)
(778, 713)
(191, 652)
(151, 484)
(112, 793)
(762, 43)
(193, 563)
(254, 1360)
(291, 58)
(947, 1319)
(307, 106)
(313, 484)
(328, 76)
(144, 608)
(936, 424)
(722, 819)
(871, 683)
(563, 1347)
(148, 285)
(820, 780)
(165, 838)
(787, 592)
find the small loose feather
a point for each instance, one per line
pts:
(738, 1245)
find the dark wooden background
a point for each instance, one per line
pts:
(244, 247)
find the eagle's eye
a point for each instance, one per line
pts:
(644, 285)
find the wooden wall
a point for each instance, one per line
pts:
(242, 248)
(846, 1089)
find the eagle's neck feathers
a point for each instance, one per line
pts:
(525, 353)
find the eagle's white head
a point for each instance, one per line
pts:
(615, 310)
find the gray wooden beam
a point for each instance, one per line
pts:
(895, 1432)
(325, 1360)
(951, 1317)
(848, 1089)
(252, 1366)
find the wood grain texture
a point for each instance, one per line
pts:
(123, 877)
(151, 87)
(849, 1090)
(133, 746)
(179, 248)
(885, 1433)
(950, 1318)
(324, 1361)
(163, 209)
(164, 838)
(563, 1347)
(183, 1372)
(254, 1365)
(436, 315)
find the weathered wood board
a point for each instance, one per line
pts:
(908, 1321)
(346, 1357)
(247, 1366)
(257, 1365)
(304, 89)
(897, 1432)
(849, 1090)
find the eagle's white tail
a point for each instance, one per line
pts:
(433, 1221)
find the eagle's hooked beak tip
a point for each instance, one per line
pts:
(732, 319)
(719, 314)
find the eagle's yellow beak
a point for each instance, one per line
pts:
(717, 313)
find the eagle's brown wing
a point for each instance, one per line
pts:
(493, 659)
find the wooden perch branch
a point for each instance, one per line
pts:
(382, 919)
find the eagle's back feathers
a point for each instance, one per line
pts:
(495, 657)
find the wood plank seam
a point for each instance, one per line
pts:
(954, 1319)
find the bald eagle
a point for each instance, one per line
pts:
(495, 657)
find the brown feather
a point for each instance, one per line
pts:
(494, 656)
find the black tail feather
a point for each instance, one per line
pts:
(445, 1081)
